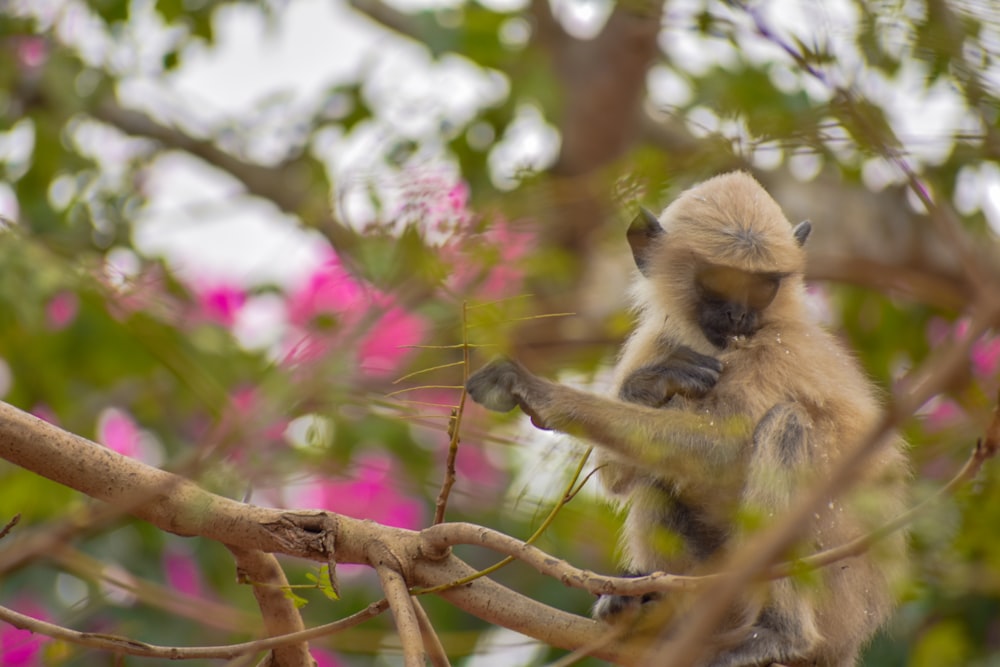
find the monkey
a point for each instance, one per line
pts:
(729, 399)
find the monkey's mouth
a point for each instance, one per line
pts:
(736, 341)
(729, 339)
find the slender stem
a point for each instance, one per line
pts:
(454, 425)
(432, 643)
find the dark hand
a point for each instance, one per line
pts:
(502, 385)
(684, 372)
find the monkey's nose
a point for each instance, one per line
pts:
(736, 315)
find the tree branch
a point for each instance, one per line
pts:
(389, 569)
(446, 535)
(263, 572)
(282, 184)
(388, 17)
(179, 506)
(432, 643)
(124, 646)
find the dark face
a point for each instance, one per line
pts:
(730, 301)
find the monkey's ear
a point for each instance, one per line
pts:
(801, 232)
(645, 228)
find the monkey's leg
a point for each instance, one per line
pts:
(682, 371)
(785, 632)
(697, 451)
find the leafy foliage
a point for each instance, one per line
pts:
(344, 399)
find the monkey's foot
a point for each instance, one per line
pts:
(618, 608)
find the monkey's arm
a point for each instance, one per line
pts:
(678, 445)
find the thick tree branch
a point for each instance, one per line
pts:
(179, 506)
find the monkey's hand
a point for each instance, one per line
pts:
(684, 372)
(504, 384)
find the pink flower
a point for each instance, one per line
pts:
(986, 356)
(32, 51)
(61, 310)
(384, 348)
(45, 413)
(942, 413)
(371, 495)
(324, 658)
(985, 353)
(328, 311)
(488, 263)
(182, 573)
(117, 430)
(250, 408)
(220, 303)
(458, 197)
(21, 648)
(330, 290)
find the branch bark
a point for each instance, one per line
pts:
(263, 572)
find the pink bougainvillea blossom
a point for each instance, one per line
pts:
(22, 648)
(45, 413)
(985, 353)
(986, 356)
(331, 290)
(941, 413)
(256, 419)
(333, 308)
(32, 52)
(61, 310)
(488, 264)
(220, 303)
(325, 658)
(117, 430)
(385, 345)
(182, 573)
(372, 494)
(435, 202)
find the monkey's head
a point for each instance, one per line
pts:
(721, 256)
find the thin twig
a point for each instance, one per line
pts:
(454, 426)
(612, 634)
(450, 534)
(942, 214)
(10, 525)
(432, 643)
(980, 453)
(124, 645)
(568, 494)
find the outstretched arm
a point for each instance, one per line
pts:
(678, 445)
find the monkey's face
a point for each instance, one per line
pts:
(731, 302)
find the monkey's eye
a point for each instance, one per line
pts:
(723, 283)
(761, 290)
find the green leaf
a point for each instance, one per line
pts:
(297, 600)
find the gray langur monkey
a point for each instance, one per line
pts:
(730, 399)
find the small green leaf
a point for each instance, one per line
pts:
(297, 600)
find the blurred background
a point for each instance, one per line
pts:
(247, 242)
